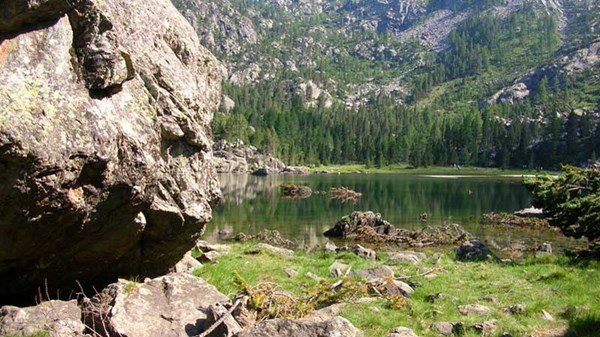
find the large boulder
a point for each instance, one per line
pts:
(58, 318)
(105, 149)
(174, 305)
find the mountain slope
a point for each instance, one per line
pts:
(363, 57)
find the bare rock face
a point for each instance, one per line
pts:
(59, 318)
(170, 306)
(105, 149)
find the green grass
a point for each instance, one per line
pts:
(405, 169)
(569, 292)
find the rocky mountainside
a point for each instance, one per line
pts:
(425, 82)
(350, 51)
(105, 142)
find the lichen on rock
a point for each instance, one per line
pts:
(105, 143)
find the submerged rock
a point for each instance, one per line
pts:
(105, 149)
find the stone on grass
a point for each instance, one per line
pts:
(59, 318)
(290, 272)
(474, 309)
(473, 250)
(313, 276)
(207, 247)
(406, 257)
(332, 327)
(209, 257)
(272, 249)
(187, 264)
(330, 247)
(402, 332)
(363, 252)
(396, 287)
(547, 316)
(486, 327)
(443, 328)
(515, 309)
(338, 269)
(376, 273)
(167, 306)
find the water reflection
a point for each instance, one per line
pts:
(252, 203)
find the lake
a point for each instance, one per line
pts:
(252, 203)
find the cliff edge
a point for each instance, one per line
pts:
(105, 141)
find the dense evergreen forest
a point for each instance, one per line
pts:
(446, 118)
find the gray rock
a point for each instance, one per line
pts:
(275, 250)
(473, 250)
(331, 247)
(443, 328)
(402, 332)
(399, 288)
(228, 328)
(474, 309)
(290, 272)
(244, 316)
(486, 327)
(59, 318)
(85, 152)
(406, 256)
(363, 252)
(187, 264)
(165, 306)
(544, 249)
(295, 170)
(376, 273)
(209, 257)
(515, 309)
(207, 247)
(332, 327)
(338, 269)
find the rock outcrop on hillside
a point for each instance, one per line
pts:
(105, 149)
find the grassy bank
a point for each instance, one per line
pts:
(569, 292)
(431, 170)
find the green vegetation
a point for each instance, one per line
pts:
(572, 200)
(406, 169)
(549, 283)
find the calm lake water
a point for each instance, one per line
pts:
(251, 203)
